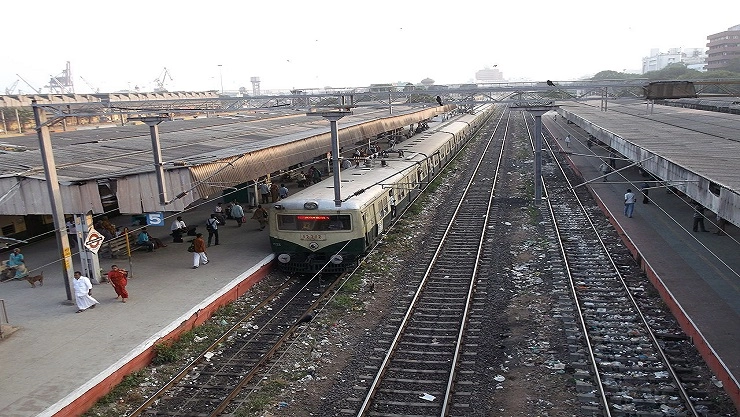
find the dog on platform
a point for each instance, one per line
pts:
(34, 279)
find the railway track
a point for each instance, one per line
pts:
(621, 365)
(418, 374)
(212, 381)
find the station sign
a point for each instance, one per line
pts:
(94, 240)
(155, 219)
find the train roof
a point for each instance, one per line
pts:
(361, 185)
(354, 180)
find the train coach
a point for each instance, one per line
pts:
(310, 234)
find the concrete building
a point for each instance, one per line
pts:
(723, 48)
(693, 58)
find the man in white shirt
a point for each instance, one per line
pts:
(629, 203)
(265, 193)
(178, 228)
(83, 293)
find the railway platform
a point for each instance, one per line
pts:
(697, 273)
(56, 362)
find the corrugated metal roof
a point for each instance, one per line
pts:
(705, 142)
(201, 156)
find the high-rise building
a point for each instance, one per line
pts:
(723, 48)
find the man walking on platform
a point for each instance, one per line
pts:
(629, 203)
(199, 251)
(237, 213)
(83, 293)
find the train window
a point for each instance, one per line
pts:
(314, 222)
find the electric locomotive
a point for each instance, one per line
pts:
(310, 234)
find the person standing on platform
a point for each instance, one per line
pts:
(613, 160)
(274, 192)
(265, 193)
(219, 212)
(260, 214)
(212, 227)
(567, 141)
(237, 213)
(604, 169)
(199, 251)
(283, 191)
(83, 293)
(645, 189)
(699, 218)
(72, 233)
(119, 279)
(629, 203)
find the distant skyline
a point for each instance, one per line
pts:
(298, 44)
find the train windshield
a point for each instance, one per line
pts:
(314, 223)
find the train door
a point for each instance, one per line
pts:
(378, 226)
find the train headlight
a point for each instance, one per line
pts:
(284, 258)
(337, 259)
(313, 245)
(310, 205)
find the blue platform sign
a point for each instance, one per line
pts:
(155, 219)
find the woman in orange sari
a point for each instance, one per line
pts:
(118, 279)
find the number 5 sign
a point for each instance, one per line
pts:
(155, 219)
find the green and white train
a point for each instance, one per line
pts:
(309, 234)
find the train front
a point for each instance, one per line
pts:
(309, 237)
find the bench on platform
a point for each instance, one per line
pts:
(116, 247)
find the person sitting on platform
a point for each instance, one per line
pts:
(143, 240)
(178, 228)
(157, 242)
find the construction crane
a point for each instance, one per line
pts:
(28, 84)
(11, 89)
(159, 81)
(62, 83)
(95, 90)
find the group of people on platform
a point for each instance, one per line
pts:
(118, 279)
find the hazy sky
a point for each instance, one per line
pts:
(312, 44)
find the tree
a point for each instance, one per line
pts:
(613, 75)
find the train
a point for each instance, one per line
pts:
(310, 234)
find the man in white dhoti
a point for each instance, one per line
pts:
(83, 293)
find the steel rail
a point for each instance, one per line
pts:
(647, 327)
(364, 408)
(471, 288)
(199, 358)
(288, 333)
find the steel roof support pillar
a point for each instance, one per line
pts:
(55, 196)
(153, 123)
(537, 110)
(333, 116)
